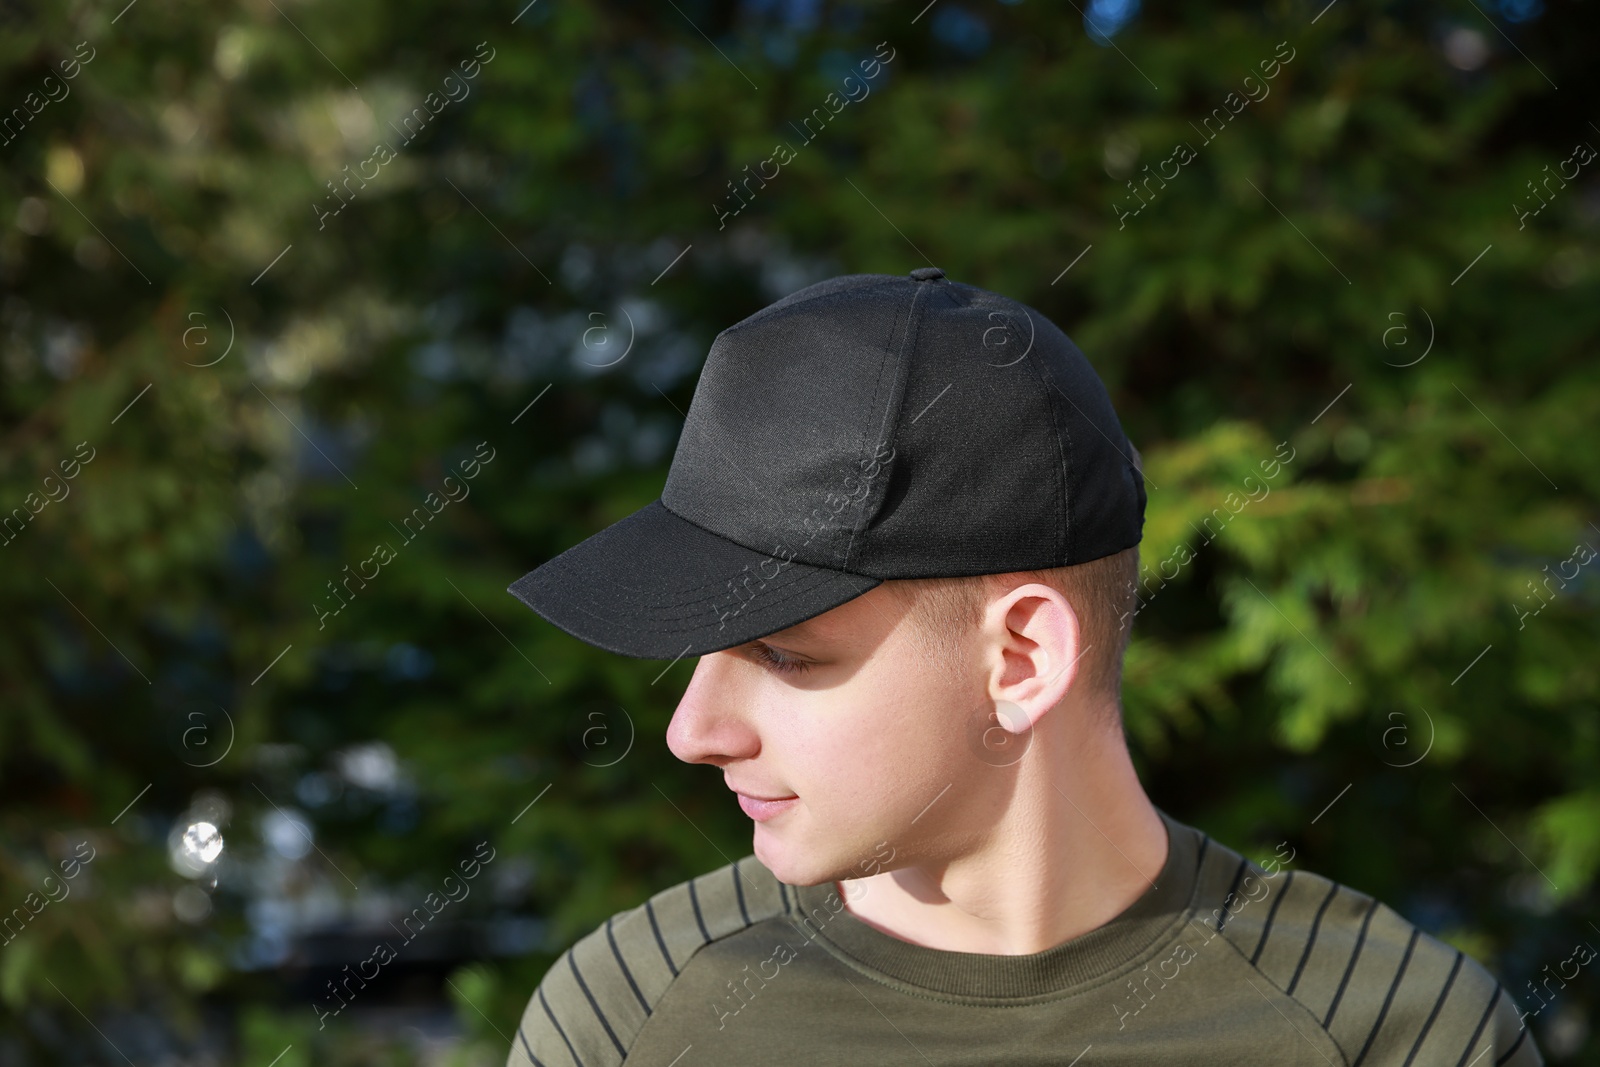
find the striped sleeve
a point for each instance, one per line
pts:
(586, 1007)
(599, 993)
(1386, 992)
(1501, 1035)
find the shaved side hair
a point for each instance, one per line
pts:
(1103, 594)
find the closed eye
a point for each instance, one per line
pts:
(776, 661)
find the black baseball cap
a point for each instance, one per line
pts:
(865, 428)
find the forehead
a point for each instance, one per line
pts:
(875, 610)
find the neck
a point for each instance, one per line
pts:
(1050, 848)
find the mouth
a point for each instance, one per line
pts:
(763, 808)
(753, 796)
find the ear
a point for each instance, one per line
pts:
(1031, 641)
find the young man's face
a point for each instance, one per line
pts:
(875, 741)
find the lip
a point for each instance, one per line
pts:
(761, 810)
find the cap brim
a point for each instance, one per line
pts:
(655, 586)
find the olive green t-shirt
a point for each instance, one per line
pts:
(1221, 961)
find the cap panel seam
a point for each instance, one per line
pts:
(875, 498)
(1066, 533)
(788, 560)
(714, 533)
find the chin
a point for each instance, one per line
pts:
(779, 858)
(794, 865)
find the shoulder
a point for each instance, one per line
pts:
(1383, 990)
(599, 993)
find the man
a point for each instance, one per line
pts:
(901, 533)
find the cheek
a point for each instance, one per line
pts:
(879, 759)
(842, 749)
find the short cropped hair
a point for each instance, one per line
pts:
(1102, 593)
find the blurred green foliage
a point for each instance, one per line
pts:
(270, 388)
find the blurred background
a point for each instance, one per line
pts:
(321, 323)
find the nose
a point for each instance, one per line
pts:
(708, 725)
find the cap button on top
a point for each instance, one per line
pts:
(927, 274)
